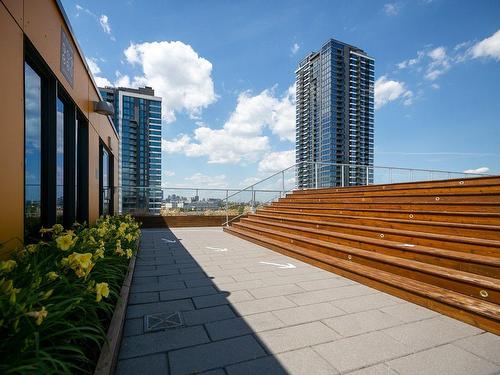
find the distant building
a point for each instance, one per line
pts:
(138, 119)
(334, 116)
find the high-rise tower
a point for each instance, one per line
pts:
(138, 120)
(334, 116)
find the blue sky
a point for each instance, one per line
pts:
(226, 71)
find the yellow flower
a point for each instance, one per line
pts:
(129, 237)
(39, 316)
(7, 266)
(52, 275)
(101, 290)
(102, 230)
(65, 242)
(80, 263)
(47, 294)
(45, 230)
(32, 248)
(99, 253)
(129, 253)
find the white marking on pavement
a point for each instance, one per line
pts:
(216, 249)
(279, 265)
(169, 241)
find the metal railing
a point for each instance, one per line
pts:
(315, 175)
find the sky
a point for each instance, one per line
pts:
(225, 71)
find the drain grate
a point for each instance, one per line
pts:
(161, 321)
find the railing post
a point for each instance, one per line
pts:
(227, 209)
(411, 175)
(316, 168)
(342, 175)
(283, 183)
(390, 175)
(253, 200)
(367, 175)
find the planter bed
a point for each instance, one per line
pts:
(60, 296)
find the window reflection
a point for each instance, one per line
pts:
(59, 161)
(32, 145)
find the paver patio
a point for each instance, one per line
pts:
(242, 316)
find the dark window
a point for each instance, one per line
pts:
(105, 181)
(59, 161)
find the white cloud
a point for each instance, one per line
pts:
(167, 173)
(478, 170)
(205, 181)
(389, 90)
(435, 86)
(439, 63)
(241, 139)
(102, 82)
(391, 9)
(176, 72)
(104, 21)
(489, 47)
(295, 48)
(92, 63)
(277, 161)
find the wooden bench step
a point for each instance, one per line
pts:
(486, 218)
(459, 281)
(394, 199)
(480, 207)
(455, 229)
(482, 314)
(456, 243)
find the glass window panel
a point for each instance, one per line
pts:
(59, 161)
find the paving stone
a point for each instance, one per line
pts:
(295, 337)
(187, 293)
(308, 298)
(307, 313)
(262, 305)
(485, 345)
(272, 291)
(361, 351)
(325, 283)
(144, 280)
(380, 369)
(367, 302)
(222, 299)
(254, 276)
(182, 277)
(362, 322)
(446, 359)
(138, 311)
(146, 297)
(209, 314)
(155, 364)
(432, 332)
(265, 365)
(133, 327)
(243, 285)
(214, 372)
(157, 287)
(162, 341)
(214, 355)
(155, 272)
(409, 312)
(242, 326)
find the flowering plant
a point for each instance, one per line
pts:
(57, 296)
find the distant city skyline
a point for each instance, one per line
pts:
(226, 76)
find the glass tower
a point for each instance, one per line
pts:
(138, 119)
(334, 117)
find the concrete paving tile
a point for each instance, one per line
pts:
(446, 359)
(409, 312)
(243, 285)
(187, 293)
(254, 276)
(361, 351)
(156, 287)
(242, 326)
(325, 283)
(214, 355)
(133, 327)
(317, 296)
(368, 302)
(210, 314)
(278, 290)
(144, 280)
(182, 277)
(155, 364)
(223, 298)
(262, 305)
(362, 322)
(295, 337)
(418, 335)
(307, 313)
(485, 345)
(162, 341)
(380, 369)
(138, 311)
(146, 297)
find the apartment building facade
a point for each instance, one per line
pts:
(138, 120)
(59, 149)
(334, 117)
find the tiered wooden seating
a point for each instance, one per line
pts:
(435, 243)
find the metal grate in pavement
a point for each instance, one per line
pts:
(162, 321)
